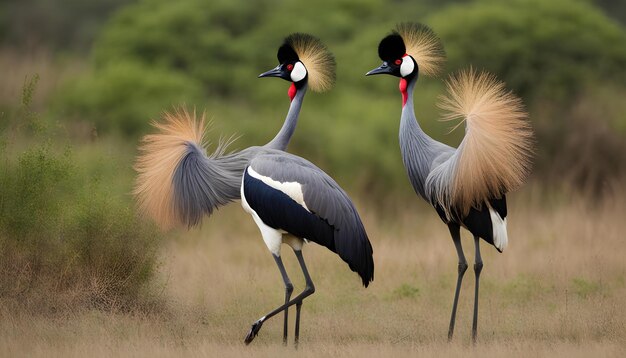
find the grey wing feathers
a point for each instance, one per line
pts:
(322, 194)
(325, 198)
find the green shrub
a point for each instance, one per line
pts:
(583, 288)
(124, 96)
(60, 24)
(406, 291)
(199, 38)
(539, 48)
(66, 240)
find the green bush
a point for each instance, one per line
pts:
(548, 49)
(124, 96)
(66, 240)
(59, 24)
(583, 288)
(199, 38)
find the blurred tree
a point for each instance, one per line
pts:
(124, 96)
(60, 24)
(614, 8)
(539, 48)
(208, 41)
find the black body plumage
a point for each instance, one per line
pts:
(478, 220)
(279, 211)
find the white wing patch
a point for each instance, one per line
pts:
(500, 236)
(292, 189)
(272, 237)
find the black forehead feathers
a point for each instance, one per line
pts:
(286, 53)
(391, 47)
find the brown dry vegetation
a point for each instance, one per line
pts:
(558, 290)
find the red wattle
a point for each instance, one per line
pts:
(402, 87)
(292, 91)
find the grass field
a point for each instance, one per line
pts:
(558, 290)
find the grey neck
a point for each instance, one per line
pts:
(408, 122)
(284, 135)
(418, 149)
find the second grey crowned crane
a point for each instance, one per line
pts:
(466, 185)
(289, 198)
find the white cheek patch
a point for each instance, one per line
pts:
(407, 66)
(299, 72)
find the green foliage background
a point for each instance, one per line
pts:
(156, 54)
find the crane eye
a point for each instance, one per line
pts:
(289, 67)
(398, 62)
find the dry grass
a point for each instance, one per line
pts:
(558, 290)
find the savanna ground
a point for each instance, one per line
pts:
(557, 290)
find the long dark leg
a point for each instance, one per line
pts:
(310, 288)
(256, 326)
(297, 333)
(288, 291)
(456, 238)
(478, 266)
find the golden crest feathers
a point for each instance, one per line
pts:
(424, 46)
(318, 60)
(495, 155)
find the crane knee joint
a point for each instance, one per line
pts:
(462, 268)
(289, 288)
(478, 267)
(310, 289)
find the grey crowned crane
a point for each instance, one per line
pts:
(465, 185)
(289, 198)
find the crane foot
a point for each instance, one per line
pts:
(256, 327)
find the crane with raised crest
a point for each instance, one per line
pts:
(465, 185)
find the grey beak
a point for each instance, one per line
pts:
(383, 69)
(275, 72)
